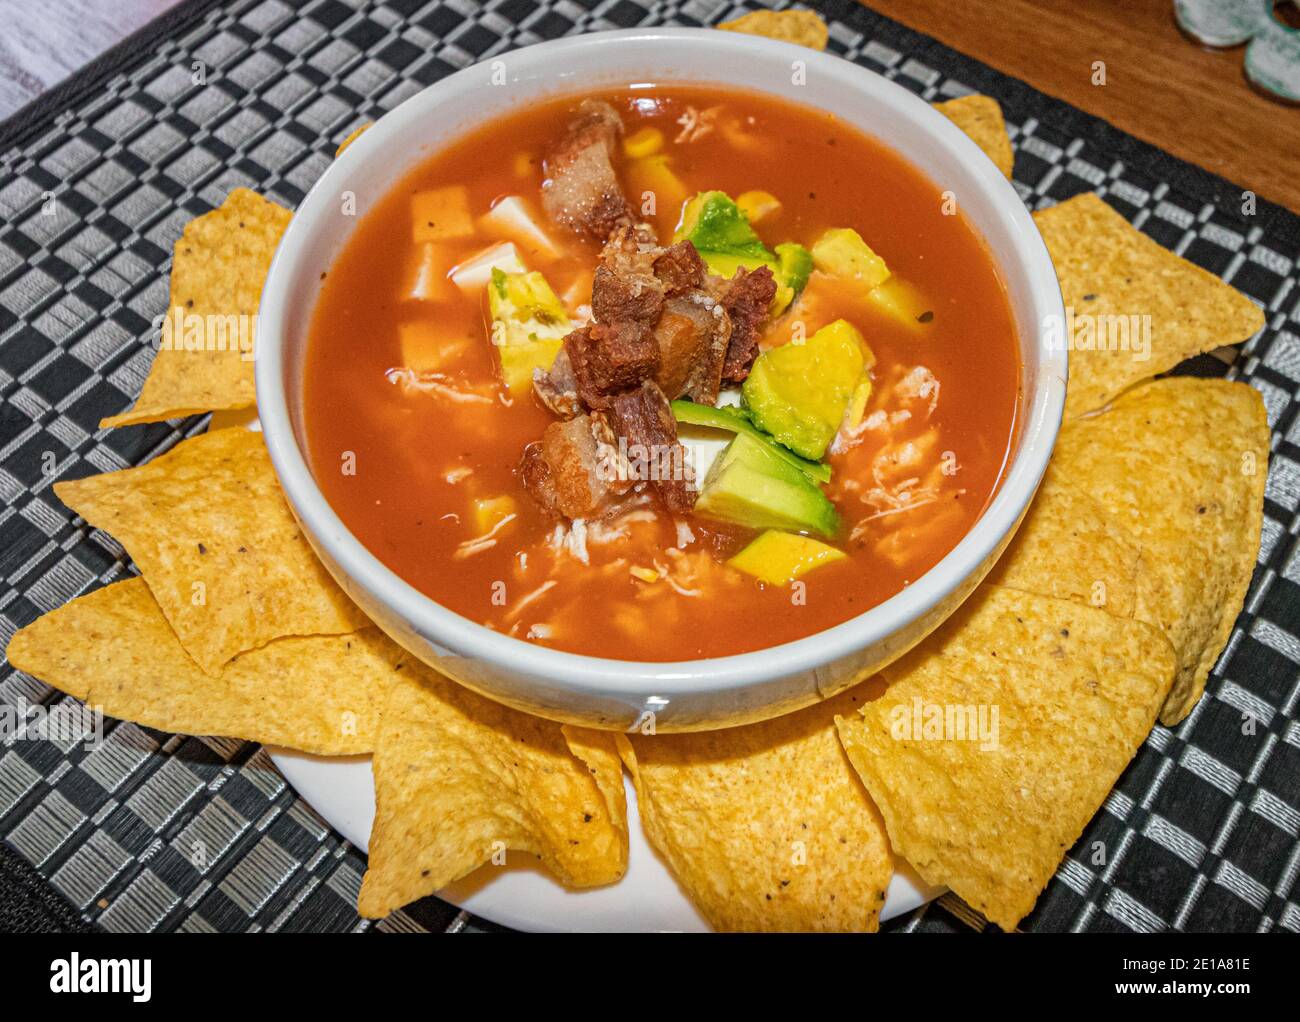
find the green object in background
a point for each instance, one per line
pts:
(1272, 59)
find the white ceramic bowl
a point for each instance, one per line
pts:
(686, 695)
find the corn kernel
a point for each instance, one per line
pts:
(645, 142)
(757, 205)
(490, 512)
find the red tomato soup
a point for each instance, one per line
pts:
(661, 374)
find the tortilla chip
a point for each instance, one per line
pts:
(1181, 463)
(114, 649)
(599, 751)
(764, 826)
(212, 535)
(1110, 271)
(803, 28)
(1072, 548)
(980, 117)
(1007, 624)
(991, 810)
(218, 267)
(356, 134)
(459, 778)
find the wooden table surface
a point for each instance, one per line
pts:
(1160, 85)
(44, 41)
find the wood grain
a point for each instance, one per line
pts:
(1160, 85)
(44, 41)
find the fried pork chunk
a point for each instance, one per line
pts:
(655, 319)
(610, 358)
(572, 470)
(662, 328)
(747, 296)
(644, 419)
(692, 334)
(581, 191)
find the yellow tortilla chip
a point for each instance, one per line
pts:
(114, 649)
(803, 28)
(1072, 548)
(764, 826)
(1116, 281)
(356, 134)
(599, 751)
(1181, 463)
(980, 117)
(1008, 624)
(460, 779)
(987, 768)
(212, 535)
(205, 360)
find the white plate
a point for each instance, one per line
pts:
(520, 894)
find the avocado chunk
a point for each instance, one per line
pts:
(842, 253)
(779, 558)
(518, 361)
(857, 410)
(902, 302)
(712, 222)
(737, 491)
(761, 455)
(721, 233)
(799, 392)
(736, 420)
(794, 265)
(529, 324)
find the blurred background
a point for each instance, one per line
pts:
(1160, 85)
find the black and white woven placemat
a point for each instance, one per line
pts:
(96, 181)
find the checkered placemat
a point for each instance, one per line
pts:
(95, 184)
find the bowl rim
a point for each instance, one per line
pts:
(599, 677)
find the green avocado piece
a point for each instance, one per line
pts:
(798, 392)
(794, 265)
(526, 307)
(720, 232)
(737, 491)
(736, 420)
(761, 456)
(712, 222)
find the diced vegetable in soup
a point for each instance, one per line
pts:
(661, 374)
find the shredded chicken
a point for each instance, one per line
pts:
(484, 542)
(696, 124)
(531, 597)
(571, 538)
(920, 383)
(412, 382)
